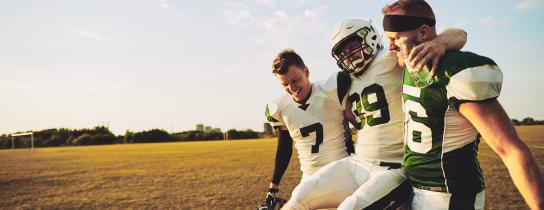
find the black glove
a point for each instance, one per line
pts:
(271, 200)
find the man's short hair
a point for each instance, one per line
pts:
(285, 59)
(416, 8)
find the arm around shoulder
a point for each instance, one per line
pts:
(452, 38)
(433, 50)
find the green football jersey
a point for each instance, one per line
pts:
(441, 144)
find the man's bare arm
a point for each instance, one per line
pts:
(495, 126)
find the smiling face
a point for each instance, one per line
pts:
(296, 82)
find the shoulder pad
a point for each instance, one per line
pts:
(330, 83)
(476, 83)
(271, 109)
(272, 113)
(454, 62)
(339, 82)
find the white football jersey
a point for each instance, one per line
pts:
(316, 127)
(376, 103)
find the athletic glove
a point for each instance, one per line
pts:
(271, 200)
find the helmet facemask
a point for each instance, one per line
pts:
(355, 44)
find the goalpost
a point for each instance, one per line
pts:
(31, 134)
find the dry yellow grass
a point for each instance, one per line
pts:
(191, 175)
(500, 190)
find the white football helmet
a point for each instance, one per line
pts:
(369, 39)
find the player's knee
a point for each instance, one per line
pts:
(295, 205)
(301, 193)
(288, 206)
(352, 202)
(304, 188)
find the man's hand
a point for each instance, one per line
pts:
(271, 200)
(433, 50)
(426, 52)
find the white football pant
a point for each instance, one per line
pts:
(348, 183)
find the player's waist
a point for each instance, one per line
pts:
(388, 149)
(308, 151)
(308, 158)
(376, 158)
(443, 189)
(389, 164)
(310, 166)
(430, 188)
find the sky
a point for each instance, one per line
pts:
(142, 64)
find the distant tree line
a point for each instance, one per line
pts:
(247, 134)
(528, 121)
(101, 135)
(195, 135)
(150, 136)
(63, 137)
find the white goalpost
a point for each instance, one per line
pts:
(31, 134)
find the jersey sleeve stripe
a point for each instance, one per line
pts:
(270, 118)
(476, 83)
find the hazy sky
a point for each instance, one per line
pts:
(141, 64)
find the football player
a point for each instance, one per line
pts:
(310, 115)
(372, 178)
(445, 120)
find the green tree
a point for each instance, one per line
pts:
(528, 121)
(153, 135)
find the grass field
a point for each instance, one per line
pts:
(191, 175)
